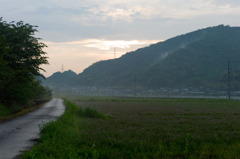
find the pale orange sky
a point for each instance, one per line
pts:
(78, 55)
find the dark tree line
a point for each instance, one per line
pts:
(21, 57)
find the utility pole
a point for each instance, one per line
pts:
(62, 68)
(135, 86)
(114, 52)
(113, 92)
(229, 82)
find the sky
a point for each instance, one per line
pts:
(79, 33)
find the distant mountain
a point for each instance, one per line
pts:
(60, 79)
(202, 62)
(196, 59)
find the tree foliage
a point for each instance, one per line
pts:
(21, 57)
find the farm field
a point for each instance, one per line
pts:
(152, 128)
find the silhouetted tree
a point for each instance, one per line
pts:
(21, 55)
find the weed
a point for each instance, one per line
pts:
(92, 113)
(61, 138)
(4, 110)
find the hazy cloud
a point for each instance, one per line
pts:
(101, 44)
(93, 12)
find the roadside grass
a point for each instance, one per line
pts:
(8, 113)
(61, 138)
(142, 128)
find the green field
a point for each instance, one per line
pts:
(143, 128)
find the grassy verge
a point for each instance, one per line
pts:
(8, 113)
(143, 128)
(62, 138)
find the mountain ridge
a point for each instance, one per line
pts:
(195, 59)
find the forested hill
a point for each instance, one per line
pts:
(59, 79)
(198, 59)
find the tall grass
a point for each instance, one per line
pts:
(61, 138)
(14, 110)
(8, 113)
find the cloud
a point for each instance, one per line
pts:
(108, 45)
(145, 9)
(229, 2)
(98, 12)
(102, 44)
(68, 20)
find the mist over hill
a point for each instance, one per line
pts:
(198, 59)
